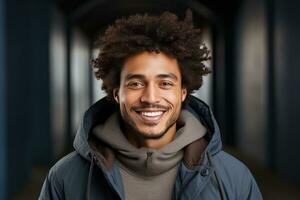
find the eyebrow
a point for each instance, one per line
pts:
(141, 76)
(132, 76)
(168, 75)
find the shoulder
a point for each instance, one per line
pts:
(67, 167)
(68, 161)
(69, 174)
(235, 175)
(226, 161)
(230, 167)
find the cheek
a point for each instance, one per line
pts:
(174, 98)
(128, 98)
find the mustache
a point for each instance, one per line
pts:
(145, 106)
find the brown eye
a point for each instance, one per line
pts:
(135, 85)
(166, 84)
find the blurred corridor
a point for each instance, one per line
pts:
(46, 83)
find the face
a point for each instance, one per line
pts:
(150, 94)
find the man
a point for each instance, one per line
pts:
(149, 139)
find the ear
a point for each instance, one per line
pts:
(183, 94)
(116, 95)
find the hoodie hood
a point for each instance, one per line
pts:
(148, 161)
(87, 145)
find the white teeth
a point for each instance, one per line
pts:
(152, 114)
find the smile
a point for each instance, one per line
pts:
(152, 114)
(150, 117)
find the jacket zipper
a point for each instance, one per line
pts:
(149, 160)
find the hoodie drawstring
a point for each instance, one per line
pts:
(88, 189)
(221, 188)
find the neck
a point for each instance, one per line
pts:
(138, 140)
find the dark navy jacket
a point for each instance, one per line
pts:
(206, 171)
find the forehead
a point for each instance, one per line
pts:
(150, 65)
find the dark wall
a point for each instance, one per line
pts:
(287, 82)
(26, 89)
(2, 103)
(38, 79)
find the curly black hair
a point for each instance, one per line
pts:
(139, 33)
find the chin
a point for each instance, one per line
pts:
(153, 136)
(151, 133)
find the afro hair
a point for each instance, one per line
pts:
(164, 33)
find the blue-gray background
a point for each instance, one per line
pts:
(46, 82)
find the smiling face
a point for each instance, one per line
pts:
(150, 95)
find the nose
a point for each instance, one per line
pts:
(150, 94)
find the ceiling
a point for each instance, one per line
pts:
(92, 16)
